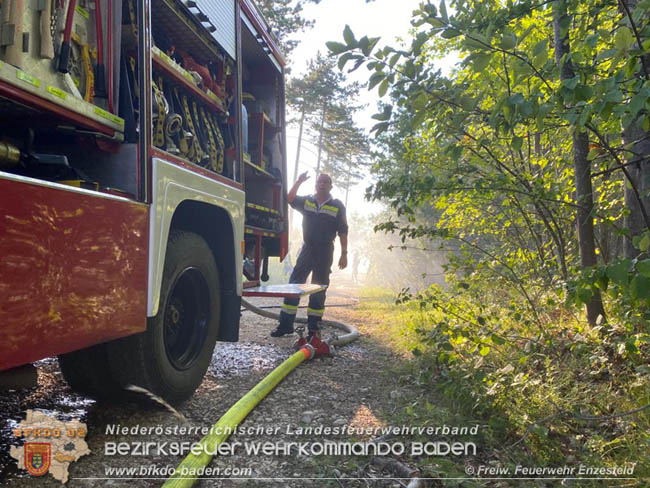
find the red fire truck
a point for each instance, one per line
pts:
(142, 175)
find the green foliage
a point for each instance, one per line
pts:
(627, 286)
(489, 145)
(480, 158)
(551, 401)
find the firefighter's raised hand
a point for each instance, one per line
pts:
(343, 261)
(294, 189)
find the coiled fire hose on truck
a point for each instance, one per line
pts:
(240, 410)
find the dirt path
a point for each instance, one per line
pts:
(343, 393)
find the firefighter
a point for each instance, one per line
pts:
(322, 218)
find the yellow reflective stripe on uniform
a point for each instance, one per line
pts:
(310, 206)
(331, 208)
(316, 311)
(289, 309)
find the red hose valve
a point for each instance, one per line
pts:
(300, 343)
(321, 347)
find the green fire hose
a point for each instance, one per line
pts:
(238, 412)
(231, 419)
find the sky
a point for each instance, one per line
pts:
(387, 19)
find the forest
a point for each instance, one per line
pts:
(523, 170)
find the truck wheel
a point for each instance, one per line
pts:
(87, 371)
(172, 356)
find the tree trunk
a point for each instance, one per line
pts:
(639, 173)
(585, 219)
(297, 164)
(640, 176)
(582, 167)
(302, 124)
(320, 137)
(347, 186)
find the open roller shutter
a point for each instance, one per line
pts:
(222, 16)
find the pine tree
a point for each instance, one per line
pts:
(347, 147)
(314, 96)
(285, 19)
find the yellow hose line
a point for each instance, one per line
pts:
(231, 419)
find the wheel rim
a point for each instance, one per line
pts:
(187, 313)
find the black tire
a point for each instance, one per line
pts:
(88, 372)
(171, 357)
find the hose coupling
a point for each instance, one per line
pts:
(310, 348)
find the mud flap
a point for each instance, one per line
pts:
(230, 314)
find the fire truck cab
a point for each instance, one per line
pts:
(142, 184)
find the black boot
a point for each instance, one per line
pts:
(285, 326)
(312, 327)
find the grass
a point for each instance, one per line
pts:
(396, 326)
(539, 403)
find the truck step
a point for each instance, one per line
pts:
(283, 291)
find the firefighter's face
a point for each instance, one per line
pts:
(323, 184)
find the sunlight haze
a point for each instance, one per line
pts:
(387, 19)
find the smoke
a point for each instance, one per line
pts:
(383, 260)
(374, 258)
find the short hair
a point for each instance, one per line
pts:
(327, 176)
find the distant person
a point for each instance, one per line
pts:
(355, 267)
(322, 218)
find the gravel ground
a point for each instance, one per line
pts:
(330, 392)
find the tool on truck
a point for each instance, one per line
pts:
(142, 157)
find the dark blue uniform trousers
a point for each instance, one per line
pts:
(317, 260)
